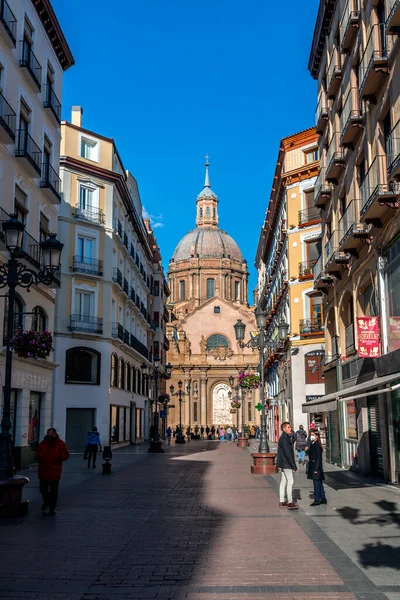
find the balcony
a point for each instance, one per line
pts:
(374, 63)
(351, 119)
(349, 339)
(334, 74)
(126, 337)
(349, 26)
(311, 327)
(352, 232)
(117, 276)
(321, 114)
(52, 102)
(126, 287)
(393, 152)
(125, 238)
(118, 227)
(7, 122)
(166, 343)
(91, 266)
(309, 216)
(86, 324)
(138, 346)
(90, 213)
(334, 159)
(393, 16)
(118, 331)
(133, 295)
(31, 64)
(306, 270)
(29, 153)
(132, 252)
(9, 24)
(376, 192)
(334, 257)
(334, 353)
(51, 183)
(322, 189)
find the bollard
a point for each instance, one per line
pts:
(107, 456)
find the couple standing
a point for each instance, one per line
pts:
(286, 462)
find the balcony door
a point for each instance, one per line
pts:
(84, 306)
(85, 249)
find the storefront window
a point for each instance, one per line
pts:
(114, 428)
(121, 423)
(351, 414)
(139, 423)
(34, 420)
(393, 294)
(13, 411)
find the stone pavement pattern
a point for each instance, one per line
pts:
(191, 524)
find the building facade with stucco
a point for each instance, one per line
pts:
(208, 279)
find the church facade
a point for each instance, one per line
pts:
(208, 279)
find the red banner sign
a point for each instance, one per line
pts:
(368, 337)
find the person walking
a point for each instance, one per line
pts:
(229, 433)
(315, 468)
(286, 462)
(188, 434)
(169, 434)
(50, 454)
(207, 432)
(221, 434)
(202, 432)
(301, 443)
(213, 432)
(92, 444)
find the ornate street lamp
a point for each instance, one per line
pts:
(263, 460)
(179, 438)
(156, 375)
(283, 330)
(13, 274)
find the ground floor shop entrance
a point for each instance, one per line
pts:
(375, 437)
(79, 422)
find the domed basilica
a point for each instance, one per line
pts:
(208, 279)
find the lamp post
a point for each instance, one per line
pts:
(237, 398)
(179, 438)
(188, 388)
(15, 274)
(156, 375)
(264, 460)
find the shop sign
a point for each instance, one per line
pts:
(311, 398)
(394, 332)
(351, 420)
(368, 337)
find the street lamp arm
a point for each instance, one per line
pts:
(15, 274)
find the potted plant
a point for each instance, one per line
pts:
(249, 381)
(32, 344)
(235, 404)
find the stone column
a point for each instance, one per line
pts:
(187, 410)
(203, 397)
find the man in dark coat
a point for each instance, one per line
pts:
(50, 454)
(286, 462)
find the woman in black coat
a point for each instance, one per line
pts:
(315, 469)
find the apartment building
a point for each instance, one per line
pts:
(104, 324)
(33, 57)
(355, 59)
(289, 245)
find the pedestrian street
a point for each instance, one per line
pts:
(191, 523)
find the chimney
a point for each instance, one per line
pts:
(76, 116)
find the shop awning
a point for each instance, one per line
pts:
(329, 402)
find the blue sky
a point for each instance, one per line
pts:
(172, 81)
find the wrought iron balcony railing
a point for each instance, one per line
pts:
(375, 185)
(31, 63)
(86, 323)
(84, 264)
(8, 20)
(393, 149)
(117, 276)
(90, 213)
(306, 269)
(26, 148)
(311, 326)
(7, 117)
(309, 215)
(52, 102)
(118, 331)
(136, 345)
(376, 52)
(51, 180)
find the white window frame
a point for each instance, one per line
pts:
(95, 143)
(93, 188)
(85, 288)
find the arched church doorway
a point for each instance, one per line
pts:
(221, 405)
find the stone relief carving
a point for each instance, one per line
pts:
(203, 345)
(221, 405)
(221, 353)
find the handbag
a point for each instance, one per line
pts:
(86, 454)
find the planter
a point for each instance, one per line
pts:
(264, 463)
(242, 442)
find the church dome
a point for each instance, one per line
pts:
(207, 243)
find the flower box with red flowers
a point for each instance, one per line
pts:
(249, 381)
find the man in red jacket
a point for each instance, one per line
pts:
(50, 454)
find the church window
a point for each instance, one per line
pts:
(208, 212)
(194, 411)
(210, 288)
(182, 291)
(201, 213)
(216, 341)
(214, 213)
(237, 290)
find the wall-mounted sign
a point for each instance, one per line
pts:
(313, 366)
(311, 398)
(368, 337)
(351, 419)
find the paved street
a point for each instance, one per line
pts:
(195, 524)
